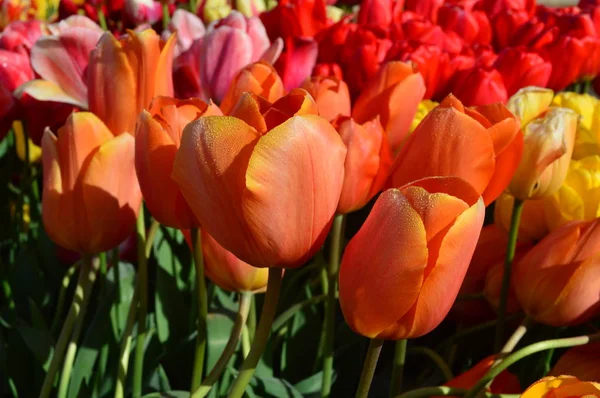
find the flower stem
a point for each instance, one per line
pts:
(165, 15)
(236, 331)
(526, 351)
(65, 333)
(126, 345)
(102, 19)
(516, 336)
(202, 309)
(435, 358)
(252, 320)
(337, 238)
(510, 255)
(288, 314)
(66, 281)
(398, 369)
(142, 281)
(262, 333)
(89, 271)
(150, 238)
(368, 369)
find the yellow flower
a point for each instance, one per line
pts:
(216, 9)
(579, 196)
(529, 103)
(423, 109)
(588, 133)
(562, 387)
(35, 152)
(23, 10)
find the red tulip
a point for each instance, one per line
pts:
(297, 61)
(564, 73)
(472, 26)
(481, 145)
(520, 68)
(14, 71)
(479, 86)
(401, 272)
(378, 12)
(265, 181)
(295, 18)
(20, 36)
(505, 26)
(426, 8)
(367, 164)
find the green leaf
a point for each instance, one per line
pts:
(267, 387)
(121, 297)
(311, 385)
(218, 328)
(159, 380)
(39, 342)
(168, 394)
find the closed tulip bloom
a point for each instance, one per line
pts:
(520, 68)
(259, 78)
(554, 282)
(402, 271)
(265, 181)
(492, 287)
(395, 83)
(578, 198)
(479, 86)
(481, 145)
(582, 362)
(533, 225)
(91, 195)
(158, 136)
(549, 138)
(229, 272)
(562, 387)
(331, 95)
(141, 64)
(367, 164)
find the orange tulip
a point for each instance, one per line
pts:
(259, 78)
(402, 271)
(394, 94)
(229, 272)
(91, 195)
(264, 182)
(556, 282)
(124, 75)
(157, 139)
(562, 387)
(504, 383)
(533, 225)
(582, 362)
(331, 95)
(367, 164)
(482, 145)
(492, 287)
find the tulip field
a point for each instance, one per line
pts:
(299, 198)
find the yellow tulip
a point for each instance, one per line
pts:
(579, 196)
(529, 103)
(35, 152)
(588, 133)
(423, 109)
(215, 10)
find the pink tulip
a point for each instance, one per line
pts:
(14, 71)
(140, 11)
(297, 61)
(20, 36)
(188, 27)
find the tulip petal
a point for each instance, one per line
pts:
(163, 83)
(44, 90)
(210, 171)
(111, 194)
(285, 154)
(506, 165)
(396, 259)
(250, 108)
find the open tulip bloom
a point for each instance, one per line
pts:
(298, 198)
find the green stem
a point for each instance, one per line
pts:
(252, 319)
(126, 345)
(142, 281)
(62, 295)
(398, 368)
(102, 19)
(262, 333)
(202, 309)
(236, 331)
(516, 336)
(435, 358)
(587, 86)
(165, 15)
(448, 391)
(288, 314)
(337, 240)
(510, 255)
(245, 341)
(65, 333)
(526, 351)
(150, 238)
(368, 369)
(89, 270)
(193, 6)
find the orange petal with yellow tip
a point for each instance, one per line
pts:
(44, 90)
(210, 169)
(250, 108)
(457, 146)
(259, 78)
(562, 387)
(293, 219)
(111, 86)
(227, 271)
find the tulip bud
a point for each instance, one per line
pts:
(157, 139)
(548, 146)
(562, 387)
(481, 145)
(533, 225)
(84, 207)
(259, 78)
(229, 272)
(402, 271)
(396, 82)
(264, 182)
(553, 280)
(492, 287)
(368, 161)
(582, 362)
(330, 94)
